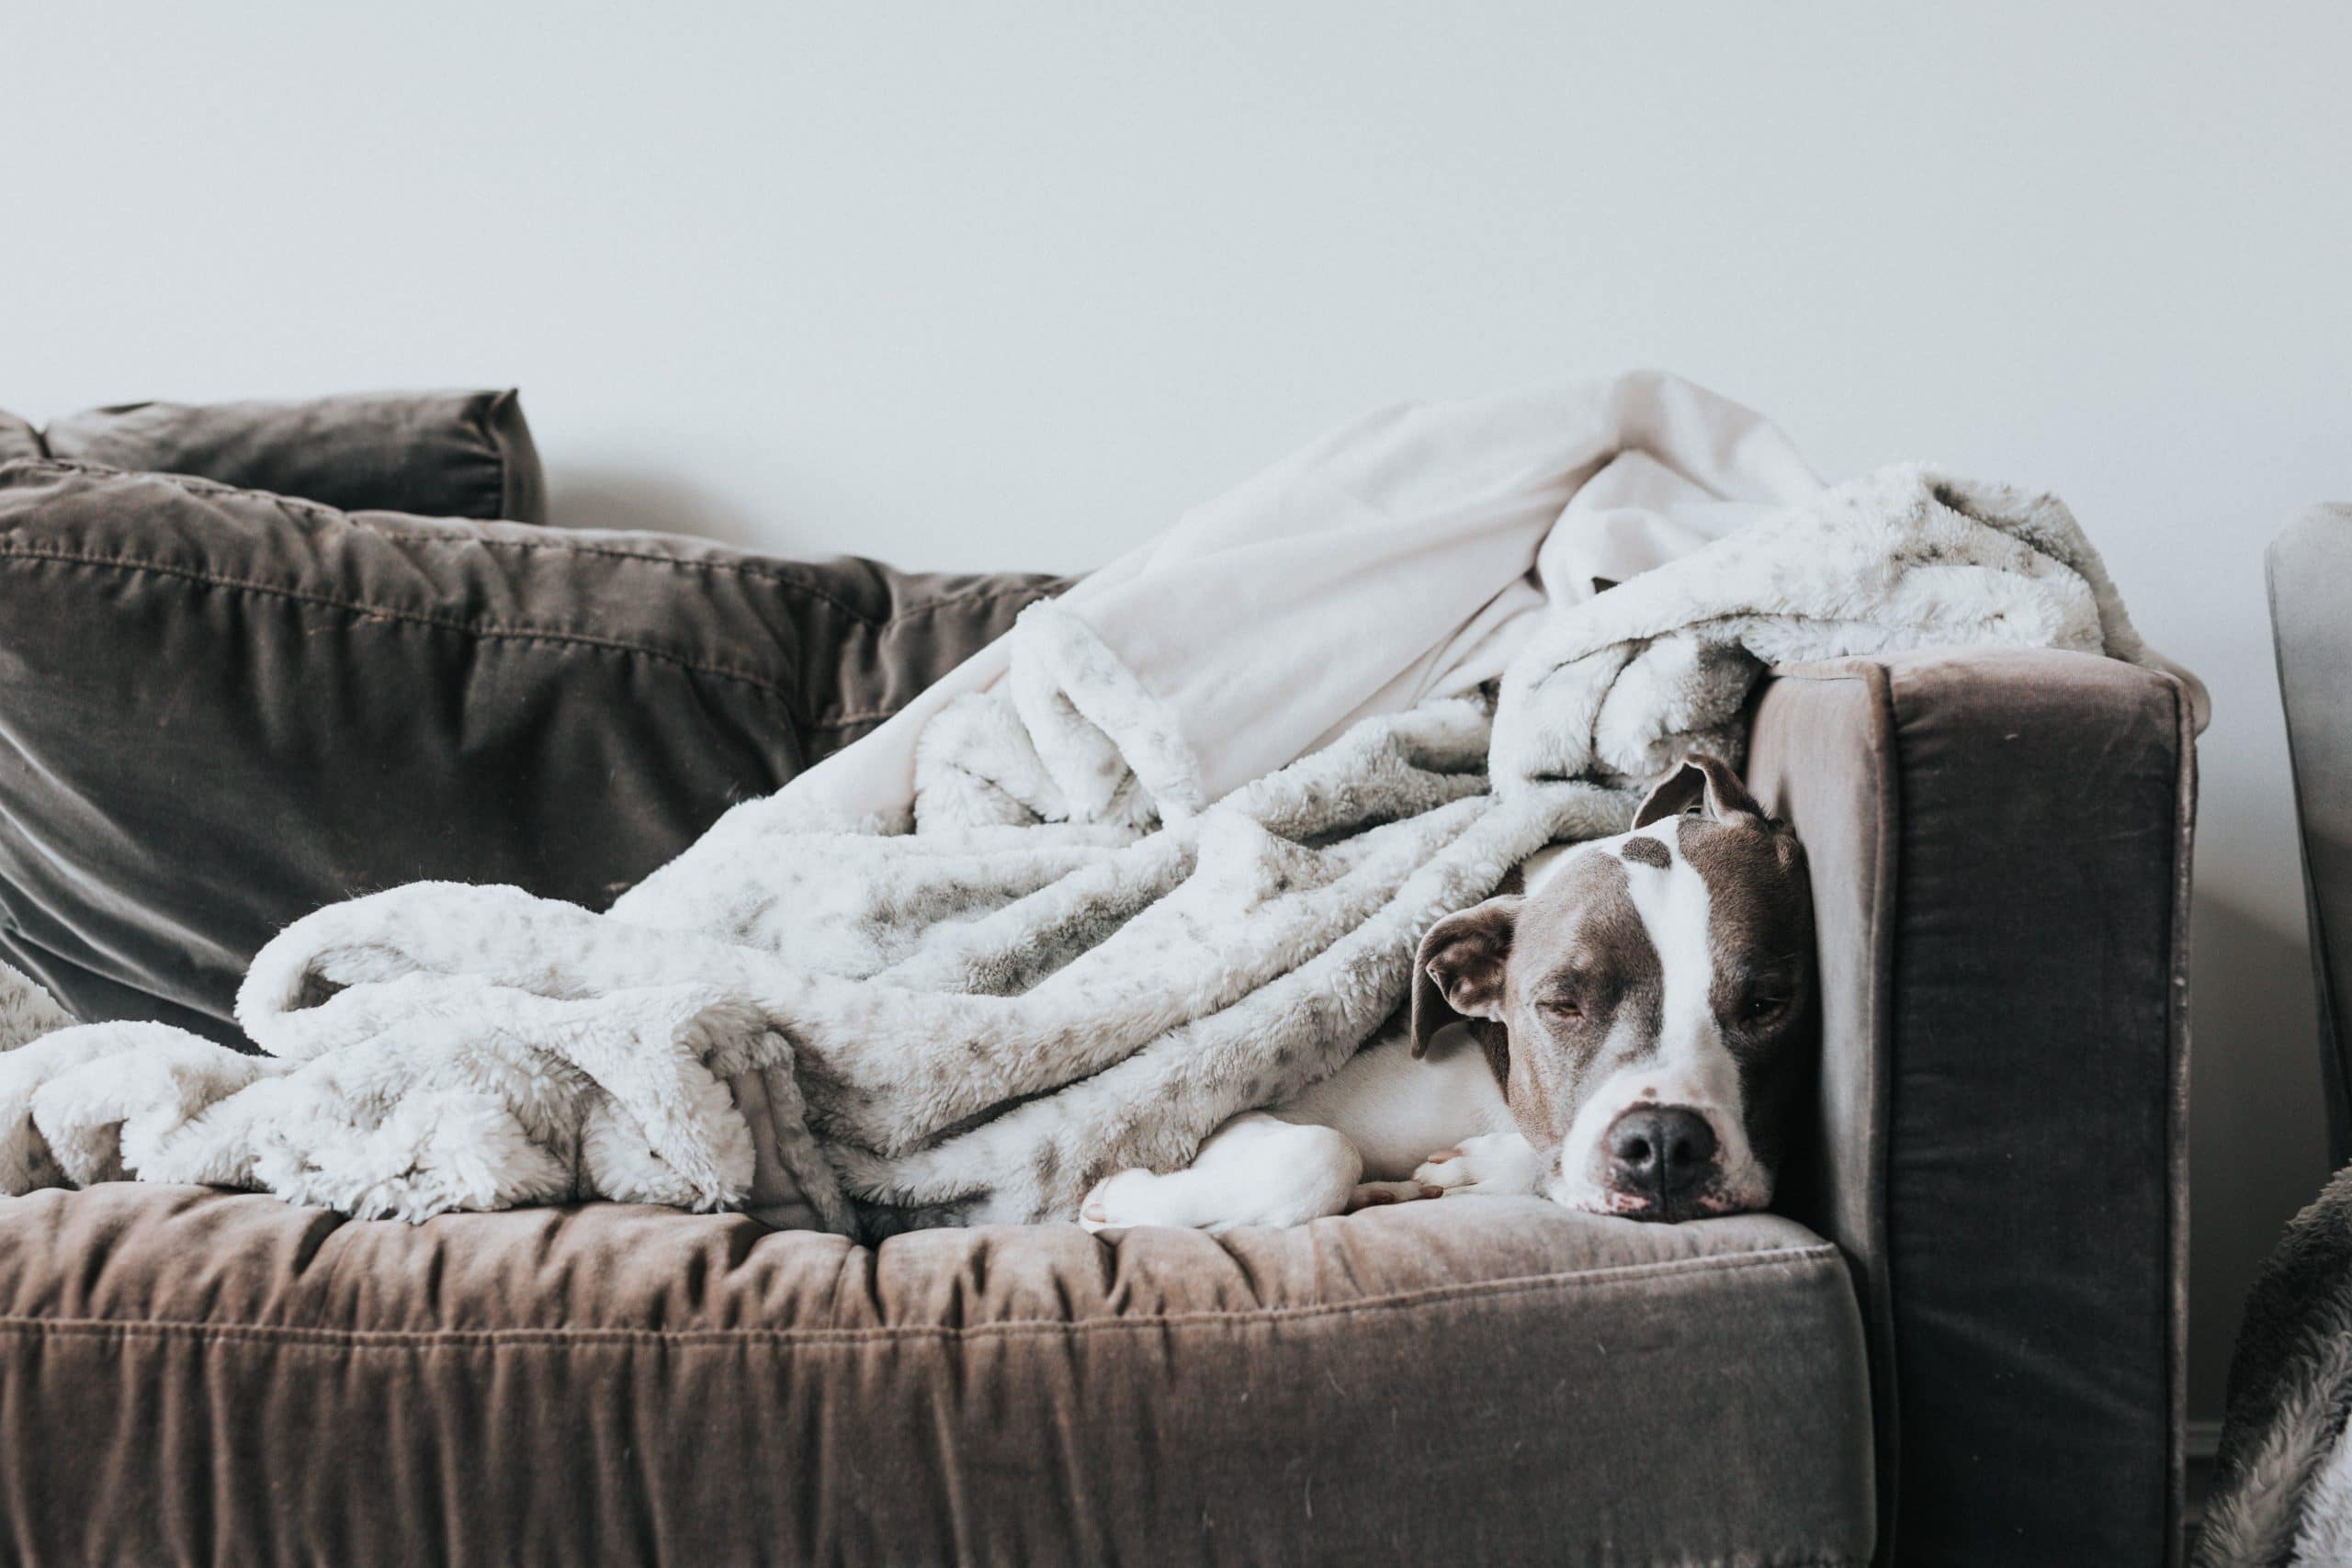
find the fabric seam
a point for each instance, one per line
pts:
(23, 1327)
(2175, 1305)
(197, 485)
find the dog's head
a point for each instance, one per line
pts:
(1647, 1001)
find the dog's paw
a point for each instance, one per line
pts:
(1377, 1194)
(1121, 1201)
(1498, 1163)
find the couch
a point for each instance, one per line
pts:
(2278, 1491)
(258, 656)
(2308, 565)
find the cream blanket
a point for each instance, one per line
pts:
(1160, 855)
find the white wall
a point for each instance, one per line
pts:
(1010, 285)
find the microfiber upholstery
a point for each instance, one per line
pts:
(200, 1376)
(2309, 568)
(465, 454)
(1999, 844)
(18, 438)
(221, 709)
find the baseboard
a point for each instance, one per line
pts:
(2203, 1443)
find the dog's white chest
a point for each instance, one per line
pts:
(1396, 1110)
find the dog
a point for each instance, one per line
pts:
(1623, 1034)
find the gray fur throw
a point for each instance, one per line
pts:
(2282, 1493)
(1093, 926)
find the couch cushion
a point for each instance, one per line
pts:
(18, 438)
(464, 453)
(221, 710)
(195, 1374)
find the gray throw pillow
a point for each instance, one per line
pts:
(458, 454)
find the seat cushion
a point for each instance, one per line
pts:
(462, 454)
(189, 1374)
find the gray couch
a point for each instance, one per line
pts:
(2278, 1492)
(1957, 1341)
(2310, 563)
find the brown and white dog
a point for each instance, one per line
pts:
(1624, 1035)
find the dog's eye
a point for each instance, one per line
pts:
(1763, 1006)
(1560, 1007)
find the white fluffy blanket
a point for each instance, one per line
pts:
(1160, 855)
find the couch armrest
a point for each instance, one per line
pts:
(2000, 852)
(2309, 562)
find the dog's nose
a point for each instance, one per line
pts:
(1660, 1151)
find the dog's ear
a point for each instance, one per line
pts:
(1702, 781)
(1458, 972)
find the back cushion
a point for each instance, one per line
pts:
(462, 454)
(221, 709)
(18, 438)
